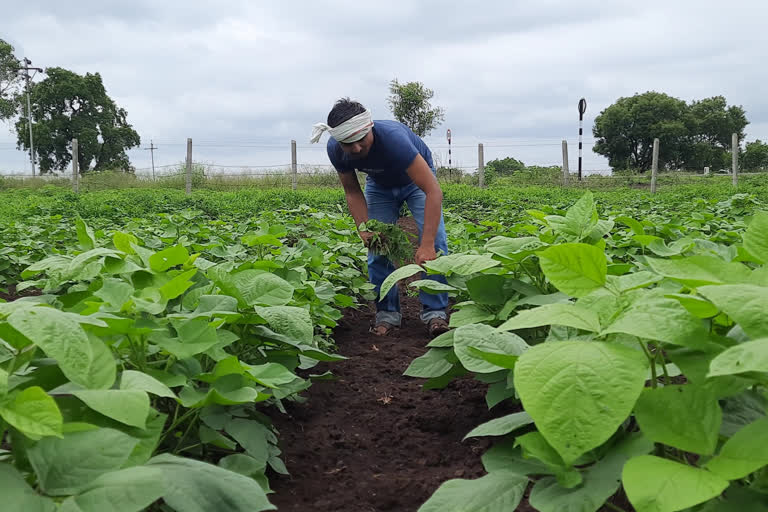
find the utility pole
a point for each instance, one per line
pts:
(27, 68)
(151, 150)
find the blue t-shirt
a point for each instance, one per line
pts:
(393, 150)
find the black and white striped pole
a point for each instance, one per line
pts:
(448, 134)
(582, 109)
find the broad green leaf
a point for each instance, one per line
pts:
(511, 247)
(741, 410)
(536, 446)
(432, 286)
(65, 466)
(698, 307)
(505, 456)
(461, 264)
(194, 337)
(127, 490)
(634, 280)
(18, 495)
(602, 302)
(79, 266)
(34, 413)
(577, 392)
(471, 314)
(751, 356)
(654, 484)
(496, 492)
(635, 226)
(252, 436)
(290, 321)
(148, 438)
(432, 364)
(168, 258)
(490, 289)
(685, 416)
(579, 220)
(575, 269)
(84, 235)
(497, 393)
(701, 270)
(661, 319)
(569, 315)
(210, 436)
(177, 285)
(83, 361)
(263, 288)
(130, 407)
(400, 273)
(271, 375)
(600, 481)
(123, 242)
(756, 237)
(745, 304)
(3, 382)
(502, 426)
(114, 292)
(742, 454)
(487, 339)
(505, 361)
(444, 340)
(140, 381)
(195, 486)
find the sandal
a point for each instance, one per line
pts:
(382, 329)
(438, 326)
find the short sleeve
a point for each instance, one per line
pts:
(402, 149)
(336, 157)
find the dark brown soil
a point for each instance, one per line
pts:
(374, 440)
(12, 295)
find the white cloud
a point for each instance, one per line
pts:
(506, 72)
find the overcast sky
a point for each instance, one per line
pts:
(243, 78)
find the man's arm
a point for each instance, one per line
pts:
(422, 176)
(356, 201)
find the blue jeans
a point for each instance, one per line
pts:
(384, 205)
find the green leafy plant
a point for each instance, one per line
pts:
(636, 369)
(389, 240)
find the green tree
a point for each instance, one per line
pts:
(10, 81)
(410, 105)
(755, 156)
(625, 130)
(692, 136)
(65, 106)
(505, 166)
(711, 123)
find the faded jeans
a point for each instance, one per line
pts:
(384, 205)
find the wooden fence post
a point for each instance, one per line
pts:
(75, 168)
(655, 165)
(480, 166)
(189, 167)
(294, 165)
(566, 171)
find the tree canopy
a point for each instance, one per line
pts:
(410, 105)
(691, 135)
(65, 106)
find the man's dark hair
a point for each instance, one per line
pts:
(344, 109)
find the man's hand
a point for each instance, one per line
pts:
(366, 236)
(424, 253)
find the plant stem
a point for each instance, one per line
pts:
(652, 359)
(614, 507)
(184, 435)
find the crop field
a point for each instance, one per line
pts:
(608, 351)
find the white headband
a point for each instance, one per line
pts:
(351, 130)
